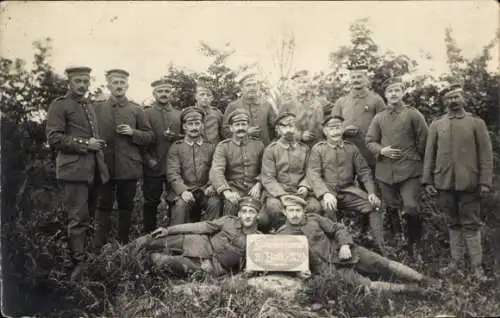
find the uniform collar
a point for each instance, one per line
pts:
(166, 107)
(287, 145)
(244, 141)
(396, 110)
(255, 101)
(78, 99)
(359, 93)
(190, 142)
(339, 144)
(114, 101)
(457, 115)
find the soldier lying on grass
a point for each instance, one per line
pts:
(330, 244)
(216, 247)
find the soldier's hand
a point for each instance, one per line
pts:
(345, 252)
(231, 196)
(330, 201)
(187, 196)
(484, 191)
(307, 136)
(124, 130)
(430, 189)
(254, 131)
(96, 144)
(304, 274)
(255, 191)
(169, 134)
(392, 153)
(302, 192)
(374, 200)
(152, 162)
(351, 130)
(209, 191)
(159, 233)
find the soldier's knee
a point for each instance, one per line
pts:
(313, 206)
(274, 207)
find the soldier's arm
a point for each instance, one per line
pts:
(485, 153)
(205, 227)
(421, 130)
(271, 118)
(174, 171)
(304, 182)
(337, 108)
(143, 133)
(374, 137)
(314, 174)
(335, 230)
(226, 132)
(430, 155)
(379, 103)
(56, 131)
(269, 172)
(363, 171)
(218, 169)
(148, 150)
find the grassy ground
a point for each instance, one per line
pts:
(36, 279)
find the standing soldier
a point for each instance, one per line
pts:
(125, 129)
(236, 164)
(283, 172)
(73, 131)
(459, 164)
(308, 108)
(397, 137)
(213, 116)
(165, 122)
(332, 168)
(189, 162)
(262, 115)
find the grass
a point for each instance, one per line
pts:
(120, 285)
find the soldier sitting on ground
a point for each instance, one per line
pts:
(330, 244)
(217, 247)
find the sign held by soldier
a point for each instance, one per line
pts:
(277, 253)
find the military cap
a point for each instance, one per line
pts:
(192, 113)
(301, 73)
(452, 88)
(203, 82)
(165, 81)
(289, 200)
(251, 202)
(77, 70)
(392, 81)
(281, 117)
(238, 115)
(330, 118)
(117, 72)
(245, 76)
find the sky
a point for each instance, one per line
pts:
(145, 37)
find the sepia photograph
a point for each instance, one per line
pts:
(250, 159)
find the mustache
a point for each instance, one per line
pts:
(194, 130)
(241, 130)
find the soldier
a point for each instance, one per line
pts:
(236, 164)
(332, 168)
(213, 117)
(165, 122)
(308, 108)
(73, 131)
(459, 164)
(283, 172)
(125, 128)
(330, 244)
(189, 162)
(261, 113)
(217, 247)
(397, 137)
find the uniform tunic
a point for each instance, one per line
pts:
(213, 125)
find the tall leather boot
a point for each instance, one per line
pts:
(414, 233)
(402, 271)
(456, 250)
(377, 228)
(475, 249)
(396, 288)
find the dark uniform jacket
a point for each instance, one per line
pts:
(459, 154)
(324, 237)
(123, 155)
(223, 238)
(284, 168)
(189, 166)
(161, 118)
(261, 114)
(236, 166)
(405, 129)
(213, 125)
(70, 124)
(332, 168)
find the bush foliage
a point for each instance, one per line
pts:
(34, 237)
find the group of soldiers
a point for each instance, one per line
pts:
(254, 170)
